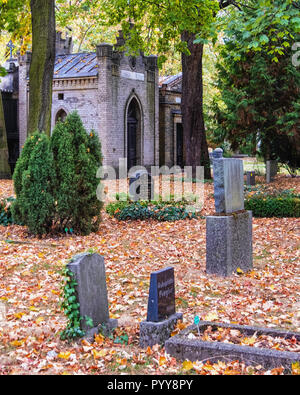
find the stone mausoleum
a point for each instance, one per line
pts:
(135, 113)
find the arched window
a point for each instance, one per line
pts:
(60, 116)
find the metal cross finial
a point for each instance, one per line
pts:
(11, 46)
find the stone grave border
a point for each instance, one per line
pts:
(183, 348)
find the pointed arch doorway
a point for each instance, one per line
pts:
(134, 128)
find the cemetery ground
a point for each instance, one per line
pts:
(30, 290)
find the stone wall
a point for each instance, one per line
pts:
(169, 116)
(78, 94)
(119, 83)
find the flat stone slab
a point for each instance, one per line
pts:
(183, 348)
(152, 333)
(229, 243)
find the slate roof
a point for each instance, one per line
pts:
(76, 65)
(173, 81)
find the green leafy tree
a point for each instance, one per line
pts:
(259, 84)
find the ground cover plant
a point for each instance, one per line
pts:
(169, 211)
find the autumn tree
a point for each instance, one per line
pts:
(8, 22)
(42, 65)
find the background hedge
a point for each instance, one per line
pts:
(281, 205)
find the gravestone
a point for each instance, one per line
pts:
(161, 303)
(89, 272)
(271, 170)
(141, 186)
(228, 183)
(161, 317)
(251, 178)
(229, 232)
(229, 243)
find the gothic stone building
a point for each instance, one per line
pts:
(135, 114)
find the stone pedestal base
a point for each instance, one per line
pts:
(105, 329)
(229, 243)
(152, 333)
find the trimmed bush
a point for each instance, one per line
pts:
(34, 205)
(55, 180)
(23, 162)
(77, 157)
(283, 205)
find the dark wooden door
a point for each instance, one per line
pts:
(10, 107)
(131, 142)
(179, 147)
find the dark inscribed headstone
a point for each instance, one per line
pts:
(271, 170)
(161, 303)
(161, 317)
(251, 178)
(141, 186)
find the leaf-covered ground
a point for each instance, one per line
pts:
(30, 286)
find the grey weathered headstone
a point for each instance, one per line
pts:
(228, 183)
(271, 170)
(229, 243)
(89, 271)
(229, 233)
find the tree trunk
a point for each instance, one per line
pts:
(195, 143)
(42, 65)
(5, 171)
